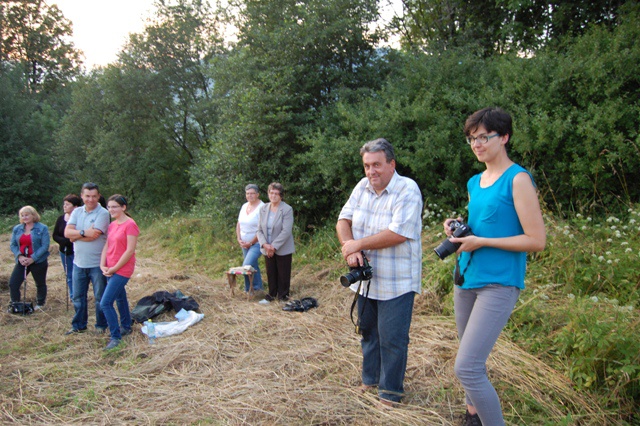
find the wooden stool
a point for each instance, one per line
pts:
(241, 270)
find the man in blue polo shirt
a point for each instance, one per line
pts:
(87, 229)
(383, 218)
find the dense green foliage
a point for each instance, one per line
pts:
(491, 26)
(575, 113)
(184, 119)
(291, 62)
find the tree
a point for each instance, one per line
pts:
(498, 26)
(135, 126)
(175, 49)
(292, 59)
(35, 35)
(27, 173)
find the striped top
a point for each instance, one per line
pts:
(396, 270)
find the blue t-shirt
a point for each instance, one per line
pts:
(492, 214)
(87, 253)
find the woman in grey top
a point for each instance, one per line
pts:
(275, 235)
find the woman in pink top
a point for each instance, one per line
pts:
(117, 263)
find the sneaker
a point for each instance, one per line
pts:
(113, 343)
(40, 307)
(264, 302)
(472, 419)
(268, 298)
(100, 330)
(125, 332)
(75, 331)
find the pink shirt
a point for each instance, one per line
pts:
(117, 245)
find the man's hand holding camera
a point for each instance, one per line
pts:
(352, 253)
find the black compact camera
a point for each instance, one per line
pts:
(459, 229)
(359, 273)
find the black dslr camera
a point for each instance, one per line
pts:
(460, 229)
(359, 273)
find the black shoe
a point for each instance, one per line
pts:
(125, 332)
(268, 298)
(75, 331)
(472, 419)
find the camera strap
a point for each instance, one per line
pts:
(353, 305)
(458, 277)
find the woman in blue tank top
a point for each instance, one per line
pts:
(505, 217)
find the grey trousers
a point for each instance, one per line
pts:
(481, 314)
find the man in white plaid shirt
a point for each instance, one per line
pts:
(383, 218)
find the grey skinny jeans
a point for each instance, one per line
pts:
(481, 314)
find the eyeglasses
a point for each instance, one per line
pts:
(483, 139)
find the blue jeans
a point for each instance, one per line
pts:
(67, 264)
(481, 314)
(385, 342)
(115, 291)
(81, 278)
(251, 256)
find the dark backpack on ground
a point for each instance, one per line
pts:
(162, 301)
(301, 305)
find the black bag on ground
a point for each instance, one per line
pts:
(21, 308)
(146, 308)
(302, 305)
(162, 301)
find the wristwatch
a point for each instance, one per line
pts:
(82, 233)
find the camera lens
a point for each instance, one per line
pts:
(345, 280)
(446, 248)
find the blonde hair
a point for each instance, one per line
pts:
(29, 209)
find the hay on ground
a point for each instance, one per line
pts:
(245, 363)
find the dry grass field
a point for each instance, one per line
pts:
(245, 363)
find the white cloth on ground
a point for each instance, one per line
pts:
(185, 320)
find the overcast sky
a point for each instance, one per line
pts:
(102, 27)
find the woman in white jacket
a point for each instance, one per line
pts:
(246, 230)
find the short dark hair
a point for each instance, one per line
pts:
(379, 145)
(493, 119)
(73, 199)
(90, 186)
